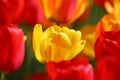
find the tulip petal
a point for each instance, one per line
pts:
(48, 6)
(37, 39)
(62, 40)
(76, 69)
(80, 8)
(78, 48)
(65, 12)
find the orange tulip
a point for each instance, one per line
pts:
(63, 11)
(111, 6)
(110, 22)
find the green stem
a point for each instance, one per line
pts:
(2, 76)
(29, 54)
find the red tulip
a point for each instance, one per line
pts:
(11, 48)
(107, 51)
(10, 10)
(32, 14)
(108, 69)
(76, 69)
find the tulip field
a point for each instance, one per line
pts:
(59, 39)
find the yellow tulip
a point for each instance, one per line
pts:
(56, 43)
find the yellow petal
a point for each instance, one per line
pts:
(46, 50)
(62, 40)
(77, 48)
(109, 7)
(117, 10)
(38, 56)
(37, 34)
(37, 39)
(61, 53)
(52, 29)
(73, 35)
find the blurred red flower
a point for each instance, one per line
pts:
(11, 48)
(107, 51)
(103, 3)
(100, 2)
(10, 10)
(32, 14)
(76, 69)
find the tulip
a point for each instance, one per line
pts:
(56, 44)
(11, 48)
(10, 10)
(32, 14)
(89, 32)
(107, 51)
(76, 69)
(110, 22)
(63, 11)
(111, 6)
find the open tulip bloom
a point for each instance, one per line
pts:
(56, 43)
